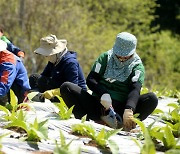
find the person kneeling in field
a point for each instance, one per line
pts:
(115, 79)
(13, 75)
(62, 66)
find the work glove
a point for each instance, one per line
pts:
(112, 119)
(106, 101)
(128, 122)
(51, 93)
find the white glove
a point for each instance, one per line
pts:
(106, 101)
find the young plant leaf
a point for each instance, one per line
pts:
(100, 138)
(83, 119)
(111, 133)
(148, 146)
(174, 105)
(113, 146)
(5, 110)
(64, 112)
(169, 140)
(14, 100)
(64, 148)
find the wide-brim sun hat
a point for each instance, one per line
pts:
(50, 45)
(125, 44)
(3, 45)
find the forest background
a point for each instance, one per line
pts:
(91, 26)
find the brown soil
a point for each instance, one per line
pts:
(90, 143)
(42, 152)
(17, 129)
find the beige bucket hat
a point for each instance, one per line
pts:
(50, 45)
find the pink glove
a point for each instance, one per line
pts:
(128, 123)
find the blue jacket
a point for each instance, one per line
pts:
(12, 48)
(12, 70)
(68, 69)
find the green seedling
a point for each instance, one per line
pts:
(148, 146)
(64, 148)
(175, 129)
(166, 92)
(162, 92)
(173, 116)
(11, 110)
(64, 112)
(101, 138)
(165, 136)
(17, 118)
(35, 131)
(161, 135)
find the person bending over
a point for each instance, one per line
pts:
(13, 75)
(115, 80)
(10, 46)
(62, 66)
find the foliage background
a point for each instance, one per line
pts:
(91, 26)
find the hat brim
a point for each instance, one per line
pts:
(51, 51)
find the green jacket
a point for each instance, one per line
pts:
(118, 90)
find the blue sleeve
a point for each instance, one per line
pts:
(71, 72)
(22, 77)
(7, 77)
(12, 48)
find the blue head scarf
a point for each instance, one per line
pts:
(125, 45)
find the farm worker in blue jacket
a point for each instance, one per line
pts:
(10, 46)
(62, 66)
(13, 75)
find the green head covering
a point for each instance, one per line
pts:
(4, 38)
(125, 44)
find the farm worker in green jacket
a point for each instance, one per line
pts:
(115, 80)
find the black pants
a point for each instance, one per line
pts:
(17, 91)
(85, 103)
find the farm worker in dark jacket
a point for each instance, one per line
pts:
(10, 46)
(13, 75)
(116, 79)
(62, 66)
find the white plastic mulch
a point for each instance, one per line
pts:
(47, 110)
